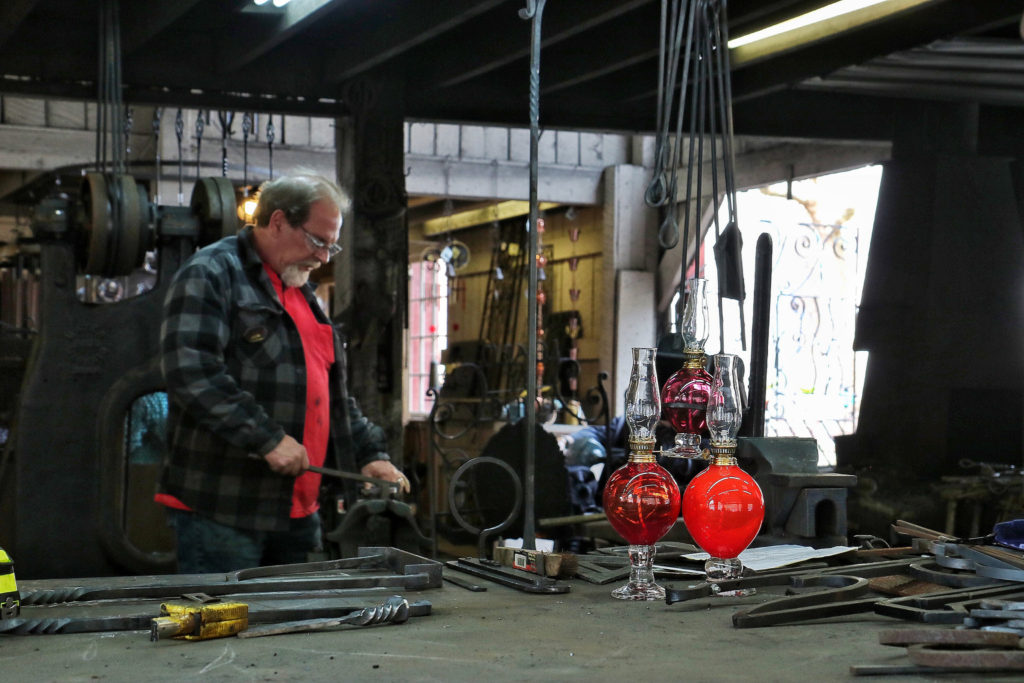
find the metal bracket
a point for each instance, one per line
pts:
(492, 571)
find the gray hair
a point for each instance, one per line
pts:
(294, 194)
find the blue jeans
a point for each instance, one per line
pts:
(206, 546)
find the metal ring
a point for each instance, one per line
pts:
(517, 484)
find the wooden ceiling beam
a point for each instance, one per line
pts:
(245, 46)
(559, 22)
(141, 22)
(417, 23)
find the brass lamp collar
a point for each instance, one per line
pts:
(693, 358)
(641, 450)
(723, 452)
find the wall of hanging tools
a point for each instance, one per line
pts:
(485, 365)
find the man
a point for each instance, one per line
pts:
(255, 376)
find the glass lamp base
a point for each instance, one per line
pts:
(726, 569)
(639, 591)
(641, 584)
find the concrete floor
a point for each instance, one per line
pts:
(499, 635)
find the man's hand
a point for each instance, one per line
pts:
(383, 469)
(288, 457)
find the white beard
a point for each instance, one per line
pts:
(294, 275)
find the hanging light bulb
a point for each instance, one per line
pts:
(247, 209)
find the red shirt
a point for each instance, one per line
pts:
(318, 348)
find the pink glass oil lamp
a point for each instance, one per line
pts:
(685, 394)
(723, 506)
(641, 499)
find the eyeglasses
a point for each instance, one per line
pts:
(333, 249)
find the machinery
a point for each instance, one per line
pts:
(80, 503)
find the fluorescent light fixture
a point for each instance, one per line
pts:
(281, 3)
(260, 3)
(815, 25)
(813, 17)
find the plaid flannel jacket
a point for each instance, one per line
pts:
(233, 363)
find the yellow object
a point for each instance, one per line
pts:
(10, 598)
(200, 622)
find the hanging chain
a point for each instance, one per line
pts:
(129, 121)
(179, 131)
(158, 113)
(200, 124)
(270, 145)
(246, 127)
(226, 120)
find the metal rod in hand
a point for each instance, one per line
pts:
(341, 474)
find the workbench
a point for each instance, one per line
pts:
(499, 635)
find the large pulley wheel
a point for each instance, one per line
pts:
(115, 222)
(214, 203)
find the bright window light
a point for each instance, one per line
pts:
(836, 9)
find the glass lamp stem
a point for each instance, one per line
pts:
(641, 584)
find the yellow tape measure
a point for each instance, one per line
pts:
(10, 599)
(200, 622)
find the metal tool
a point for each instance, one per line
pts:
(464, 584)
(949, 650)
(493, 571)
(786, 578)
(10, 599)
(360, 562)
(607, 565)
(986, 659)
(376, 567)
(143, 622)
(601, 569)
(838, 601)
(199, 622)
(394, 610)
(948, 636)
(341, 474)
(917, 531)
(949, 607)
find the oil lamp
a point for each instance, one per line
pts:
(641, 499)
(685, 394)
(723, 506)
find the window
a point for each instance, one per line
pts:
(820, 242)
(428, 331)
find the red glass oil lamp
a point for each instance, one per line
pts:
(723, 506)
(641, 499)
(685, 394)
